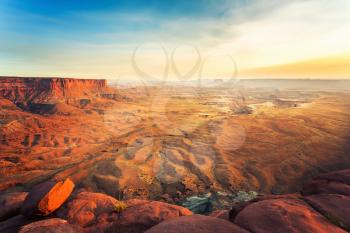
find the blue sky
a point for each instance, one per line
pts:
(97, 38)
(66, 18)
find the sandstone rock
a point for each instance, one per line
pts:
(196, 224)
(10, 204)
(241, 205)
(85, 208)
(342, 176)
(325, 187)
(14, 224)
(46, 197)
(337, 182)
(96, 212)
(139, 217)
(134, 202)
(287, 215)
(53, 225)
(335, 207)
(45, 90)
(223, 214)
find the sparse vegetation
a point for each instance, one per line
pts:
(243, 196)
(119, 207)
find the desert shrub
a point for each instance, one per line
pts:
(242, 196)
(119, 207)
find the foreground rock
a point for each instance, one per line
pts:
(196, 224)
(335, 207)
(86, 208)
(287, 215)
(96, 212)
(14, 224)
(237, 208)
(329, 183)
(141, 215)
(342, 176)
(53, 225)
(46, 197)
(223, 214)
(10, 204)
(323, 186)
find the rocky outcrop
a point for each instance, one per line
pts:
(46, 197)
(10, 204)
(329, 183)
(48, 90)
(53, 225)
(14, 224)
(98, 212)
(43, 95)
(196, 224)
(322, 206)
(320, 186)
(141, 215)
(335, 207)
(223, 214)
(241, 205)
(286, 215)
(86, 208)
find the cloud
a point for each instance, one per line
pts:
(295, 31)
(254, 33)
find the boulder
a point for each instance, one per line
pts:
(335, 207)
(10, 204)
(97, 212)
(196, 224)
(139, 217)
(46, 197)
(342, 176)
(86, 207)
(238, 207)
(223, 214)
(287, 215)
(324, 186)
(14, 224)
(52, 225)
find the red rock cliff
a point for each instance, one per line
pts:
(25, 90)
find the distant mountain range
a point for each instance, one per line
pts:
(304, 84)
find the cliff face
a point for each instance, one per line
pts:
(49, 90)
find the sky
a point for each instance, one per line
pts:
(179, 39)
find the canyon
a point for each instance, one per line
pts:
(168, 142)
(48, 90)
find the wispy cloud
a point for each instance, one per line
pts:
(100, 42)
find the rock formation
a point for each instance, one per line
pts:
(11, 204)
(45, 198)
(50, 225)
(196, 224)
(97, 212)
(283, 215)
(327, 209)
(40, 95)
(24, 90)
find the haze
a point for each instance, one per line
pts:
(266, 39)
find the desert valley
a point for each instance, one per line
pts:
(184, 116)
(220, 149)
(147, 141)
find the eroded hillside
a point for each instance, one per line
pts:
(146, 142)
